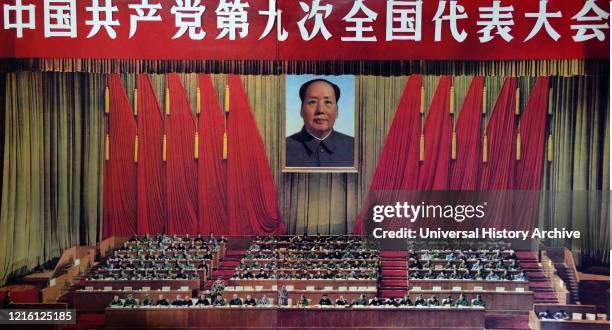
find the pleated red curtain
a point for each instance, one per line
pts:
(501, 171)
(400, 151)
(251, 192)
(434, 170)
(407, 165)
(120, 169)
(181, 166)
(498, 171)
(438, 132)
(151, 175)
(528, 169)
(212, 184)
(237, 196)
(465, 169)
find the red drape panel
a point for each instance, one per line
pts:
(252, 203)
(434, 171)
(212, 189)
(400, 151)
(438, 132)
(465, 169)
(528, 174)
(120, 169)
(151, 175)
(409, 164)
(528, 170)
(181, 167)
(498, 171)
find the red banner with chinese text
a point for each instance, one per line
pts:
(305, 30)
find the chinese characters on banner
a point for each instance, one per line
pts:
(306, 29)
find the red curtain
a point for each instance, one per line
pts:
(408, 137)
(251, 193)
(438, 133)
(465, 169)
(238, 196)
(181, 167)
(502, 172)
(400, 151)
(498, 171)
(528, 170)
(120, 169)
(151, 175)
(212, 189)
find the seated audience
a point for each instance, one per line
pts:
(491, 276)
(247, 274)
(219, 301)
(187, 301)
(415, 275)
(147, 301)
(545, 315)
(341, 301)
(178, 301)
(303, 301)
(202, 300)
(405, 301)
(161, 301)
(461, 301)
(478, 301)
(250, 301)
(519, 277)
(263, 301)
(561, 315)
(511, 256)
(116, 301)
(433, 301)
(130, 301)
(416, 264)
(235, 301)
(361, 301)
(448, 301)
(376, 302)
(304, 256)
(325, 301)
(420, 301)
(392, 302)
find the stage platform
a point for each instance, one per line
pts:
(302, 318)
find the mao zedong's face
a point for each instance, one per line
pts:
(319, 108)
